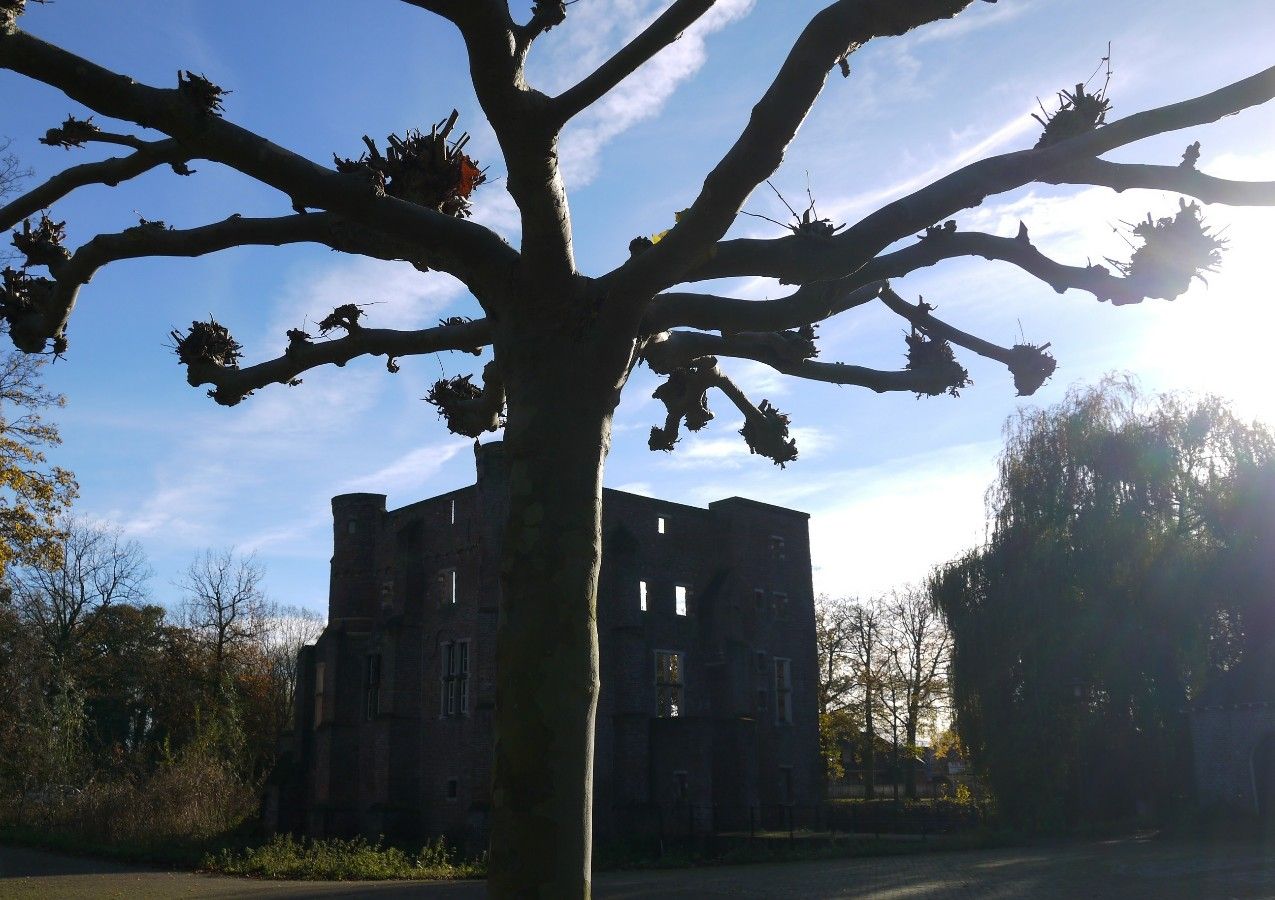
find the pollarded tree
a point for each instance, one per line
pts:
(564, 343)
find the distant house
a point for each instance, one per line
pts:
(1233, 738)
(706, 632)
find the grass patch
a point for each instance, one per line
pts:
(333, 859)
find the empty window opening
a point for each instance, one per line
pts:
(781, 604)
(668, 684)
(453, 788)
(351, 526)
(320, 670)
(642, 596)
(447, 587)
(660, 524)
(455, 678)
(681, 782)
(777, 548)
(783, 691)
(679, 599)
(759, 599)
(372, 686)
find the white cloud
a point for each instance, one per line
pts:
(887, 525)
(397, 296)
(410, 472)
(641, 95)
(971, 20)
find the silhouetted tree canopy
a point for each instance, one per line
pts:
(1107, 596)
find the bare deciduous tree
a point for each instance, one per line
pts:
(919, 649)
(285, 631)
(223, 602)
(98, 568)
(564, 343)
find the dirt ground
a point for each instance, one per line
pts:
(1129, 869)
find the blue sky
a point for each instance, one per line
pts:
(894, 484)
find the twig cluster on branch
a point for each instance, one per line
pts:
(423, 168)
(468, 409)
(765, 432)
(208, 344)
(72, 132)
(1078, 113)
(200, 92)
(1175, 249)
(43, 244)
(933, 358)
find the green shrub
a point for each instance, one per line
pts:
(340, 860)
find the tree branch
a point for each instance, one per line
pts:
(1182, 179)
(832, 33)
(666, 29)
(1030, 365)
(677, 348)
(48, 320)
(809, 304)
(230, 384)
(109, 172)
(798, 259)
(467, 250)
(1019, 251)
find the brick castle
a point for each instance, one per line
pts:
(707, 648)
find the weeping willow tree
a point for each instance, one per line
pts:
(1098, 606)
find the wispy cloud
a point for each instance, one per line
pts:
(399, 296)
(977, 18)
(410, 472)
(643, 94)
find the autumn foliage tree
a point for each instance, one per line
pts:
(563, 341)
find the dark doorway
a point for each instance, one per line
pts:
(1264, 779)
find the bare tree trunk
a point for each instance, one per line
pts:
(556, 440)
(910, 737)
(869, 750)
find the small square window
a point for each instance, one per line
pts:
(679, 599)
(783, 691)
(660, 524)
(642, 596)
(668, 684)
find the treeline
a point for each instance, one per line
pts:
(883, 668)
(127, 721)
(1130, 564)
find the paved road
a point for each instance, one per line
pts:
(1124, 869)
